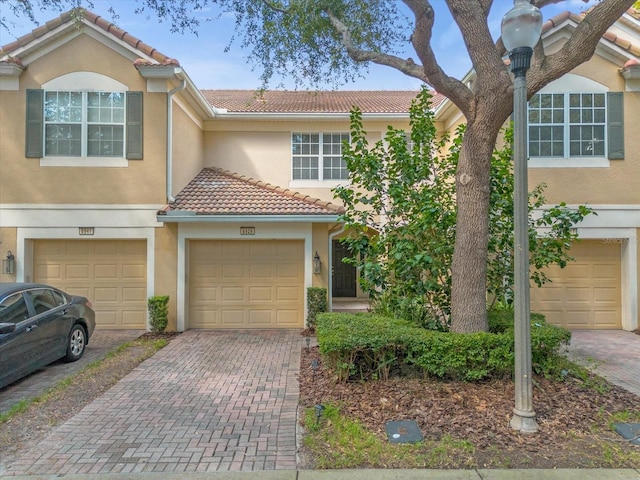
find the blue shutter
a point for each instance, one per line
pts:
(134, 126)
(35, 124)
(615, 125)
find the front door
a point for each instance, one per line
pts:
(344, 274)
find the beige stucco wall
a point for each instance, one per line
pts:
(24, 181)
(620, 182)
(166, 265)
(188, 148)
(262, 149)
(8, 242)
(320, 243)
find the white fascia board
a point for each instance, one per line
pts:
(73, 216)
(192, 218)
(607, 216)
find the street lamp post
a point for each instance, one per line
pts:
(521, 28)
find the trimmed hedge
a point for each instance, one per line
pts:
(316, 303)
(368, 346)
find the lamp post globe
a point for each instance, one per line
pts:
(521, 29)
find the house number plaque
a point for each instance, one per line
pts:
(247, 230)
(85, 230)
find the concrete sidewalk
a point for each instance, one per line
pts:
(417, 474)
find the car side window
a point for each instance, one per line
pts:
(13, 309)
(43, 300)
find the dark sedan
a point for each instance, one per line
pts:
(40, 324)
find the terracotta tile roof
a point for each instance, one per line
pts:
(623, 43)
(284, 101)
(219, 192)
(90, 17)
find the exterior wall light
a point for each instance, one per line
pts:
(521, 29)
(9, 264)
(316, 263)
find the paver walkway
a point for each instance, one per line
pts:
(101, 343)
(209, 401)
(612, 354)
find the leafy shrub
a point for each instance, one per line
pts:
(158, 312)
(369, 346)
(316, 303)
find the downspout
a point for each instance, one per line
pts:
(170, 94)
(340, 231)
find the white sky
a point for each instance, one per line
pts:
(210, 67)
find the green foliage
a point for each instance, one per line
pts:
(401, 212)
(158, 312)
(316, 303)
(371, 346)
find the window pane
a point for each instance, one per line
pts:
(13, 309)
(534, 116)
(63, 140)
(599, 100)
(599, 115)
(574, 100)
(105, 141)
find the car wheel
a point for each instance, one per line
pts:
(77, 342)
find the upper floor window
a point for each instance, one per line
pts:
(568, 125)
(76, 128)
(318, 156)
(84, 124)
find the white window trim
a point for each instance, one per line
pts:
(571, 83)
(89, 81)
(320, 182)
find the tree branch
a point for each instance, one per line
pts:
(580, 46)
(450, 87)
(408, 66)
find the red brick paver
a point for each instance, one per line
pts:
(612, 354)
(209, 401)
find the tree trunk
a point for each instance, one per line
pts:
(469, 269)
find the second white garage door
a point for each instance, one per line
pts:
(246, 284)
(586, 294)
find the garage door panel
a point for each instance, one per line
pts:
(263, 271)
(232, 294)
(78, 271)
(605, 318)
(287, 318)
(105, 294)
(110, 273)
(133, 294)
(260, 294)
(285, 271)
(577, 294)
(260, 318)
(605, 272)
(258, 277)
(287, 294)
(577, 271)
(133, 272)
(232, 317)
(233, 271)
(586, 294)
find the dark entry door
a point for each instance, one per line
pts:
(344, 274)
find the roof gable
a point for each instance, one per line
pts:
(70, 24)
(218, 192)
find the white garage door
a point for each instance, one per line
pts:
(246, 284)
(586, 294)
(112, 274)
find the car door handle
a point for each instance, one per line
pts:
(31, 327)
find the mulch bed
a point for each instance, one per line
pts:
(573, 418)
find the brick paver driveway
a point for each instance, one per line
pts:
(209, 401)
